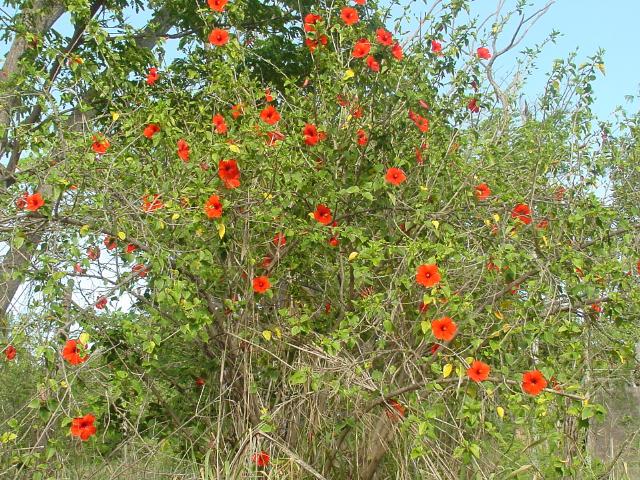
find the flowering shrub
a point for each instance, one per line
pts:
(339, 268)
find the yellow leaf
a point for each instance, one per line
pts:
(546, 242)
(266, 334)
(498, 314)
(278, 332)
(221, 230)
(435, 224)
(348, 74)
(122, 235)
(84, 230)
(234, 148)
(175, 216)
(115, 116)
(84, 338)
(423, 188)
(500, 411)
(446, 370)
(601, 68)
(506, 327)
(199, 232)
(353, 255)
(310, 214)
(268, 196)
(496, 217)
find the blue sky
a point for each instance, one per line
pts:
(587, 25)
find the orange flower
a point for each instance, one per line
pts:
(421, 122)
(444, 329)
(384, 37)
(229, 173)
(261, 459)
(74, 355)
(361, 48)
(34, 202)
(152, 76)
(10, 352)
(217, 5)
(261, 284)
(484, 53)
(151, 203)
(101, 303)
(310, 20)
(395, 176)
(218, 121)
(218, 37)
(428, 275)
(270, 115)
(396, 51)
(478, 371)
(100, 145)
(323, 214)
(150, 130)
(362, 138)
(482, 191)
(349, 15)
(236, 111)
(140, 270)
(83, 427)
(373, 64)
(395, 410)
(533, 382)
(213, 207)
(522, 212)
(183, 150)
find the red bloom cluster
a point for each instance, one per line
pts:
(322, 214)
(311, 134)
(152, 76)
(10, 352)
(229, 173)
(75, 352)
(83, 427)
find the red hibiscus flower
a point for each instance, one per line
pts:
(34, 202)
(279, 240)
(152, 76)
(311, 134)
(93, 253)
(357, 112)
(396, 51)
(522, 212)
(373, 64)
(266, 262)
(10, 352)
(596, 307)
(362, 138)
(395, 410)
(473, 105)
(199, 382)
(100, 145)
(261, 284)
(151, 203)
(421, 122)
(444, 329)
(218, 37)
(110, 242)
(484, 53)
(267, 95)
(361, 48)
(428, 275)
(217, 5)
(313, 44)
(349, 15)
(360, 2)
(131, 248)
(543, 224)
(273, 137)
(482, 191)
(183, 150)
(533, 382)
(436, 47)
(83, 427)
(384, 37)
(150, 130)
(140, 270)
(74, 352)
(220, 124)
(334, 242)
(310, 20)
(229, 173)
(478, 371)
(213, 207)
(261, 459)
(395, 176)
(101, 303)
(270, 115)
(236, 111)
(434, 348)
(323, 214)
